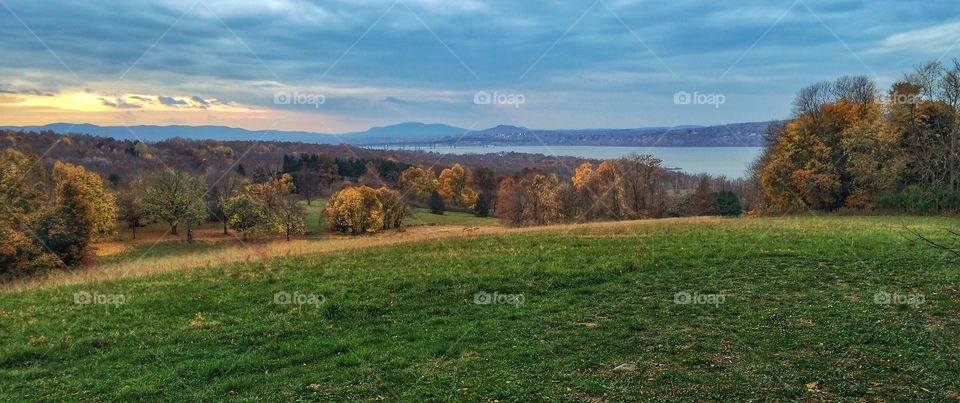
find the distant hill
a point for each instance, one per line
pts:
(149, 133)
(732, 135)
(408, 131)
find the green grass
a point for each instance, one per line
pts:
(422, 216)
(400, 323)
(418, 216)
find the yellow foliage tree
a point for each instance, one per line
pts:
(418, 180)
(94, 190)
(356, 210)
(393, 207)
(456, 186)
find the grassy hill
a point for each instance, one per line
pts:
(785, 308)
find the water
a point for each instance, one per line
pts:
(731, 162)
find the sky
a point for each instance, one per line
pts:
(338, 66)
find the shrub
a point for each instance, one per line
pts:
(916, 199)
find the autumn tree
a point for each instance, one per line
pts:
(529, 199)
(418, 181)
(284, 212)
(69, 228)
(393, 208)
(93, 191)
(601, 191)
(704, 200)
(455, 184)
(639, 175)
(130, 209)
(173, 196)
(356, 210)
(246, 214)
(609, 199)
(23, 192)
(223, 183)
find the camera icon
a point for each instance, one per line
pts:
(282, 98)
(82, 298)
(682, 98)
(682, 298)
(482, 98)
(282, 298)
(882, 298)
(482, 298)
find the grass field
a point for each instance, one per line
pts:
(782, 308)
(155, 241)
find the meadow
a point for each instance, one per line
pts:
(812, 308)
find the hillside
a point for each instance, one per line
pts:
(789, 310)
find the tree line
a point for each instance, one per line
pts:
(632, 187)
(852, 146)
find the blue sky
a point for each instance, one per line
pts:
(349, 65)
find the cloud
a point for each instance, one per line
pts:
(939, 38)
(171, 101)
(119, 103)
(378, 60)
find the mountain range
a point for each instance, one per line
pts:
(416, 133)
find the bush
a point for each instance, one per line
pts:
(916, 199)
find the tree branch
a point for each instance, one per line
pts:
(929, 242)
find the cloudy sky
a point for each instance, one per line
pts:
(339, 65)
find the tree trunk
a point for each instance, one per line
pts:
(173, 228)
(134, 229)
(225, 228)
(189, 230)
(953, 159)
(288, 235)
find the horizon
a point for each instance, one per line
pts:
(345, 67)
(676, 127)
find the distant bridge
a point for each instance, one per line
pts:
(427, 144)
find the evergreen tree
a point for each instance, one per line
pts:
(436, 203)
(482, 206)
(728, 204)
